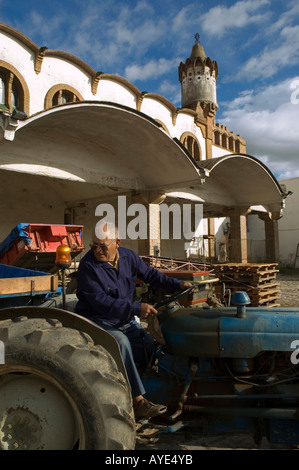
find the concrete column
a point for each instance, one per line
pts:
(238, 239)
(271, 238)
(151, 201)
(211, 238)
(238, 233)
(153, 240)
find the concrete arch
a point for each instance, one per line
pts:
(86, 153)
(245, 181)
(103, 145)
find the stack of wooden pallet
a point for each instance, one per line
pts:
(258, 280)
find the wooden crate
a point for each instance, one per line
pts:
(31, 285)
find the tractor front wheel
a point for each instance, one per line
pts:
(60, 391)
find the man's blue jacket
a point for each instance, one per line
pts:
(106, 294)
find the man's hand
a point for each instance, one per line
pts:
(146, 310)
(184, 285)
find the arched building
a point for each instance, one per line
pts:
(73, 138)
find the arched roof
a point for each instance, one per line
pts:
(246, 180)
(89, 149)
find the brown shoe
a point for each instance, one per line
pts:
(146, 409)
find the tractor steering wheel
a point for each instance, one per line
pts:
(173, 297)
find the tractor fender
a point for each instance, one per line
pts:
(59, 390)
(70, 320)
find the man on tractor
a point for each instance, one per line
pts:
(106, 280)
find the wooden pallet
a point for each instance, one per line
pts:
(267, 302)
(239, 267)
(264, 288)
(245, 277)
(264, 296)
(258, 280)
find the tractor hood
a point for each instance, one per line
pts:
(210, 332)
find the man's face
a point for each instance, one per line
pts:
(104, 250)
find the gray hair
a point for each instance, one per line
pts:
(106, 229)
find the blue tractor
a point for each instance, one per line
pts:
(220, 370)
(228, 369)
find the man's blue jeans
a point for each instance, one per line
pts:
(136, 347)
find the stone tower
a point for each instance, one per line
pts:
(198, 77)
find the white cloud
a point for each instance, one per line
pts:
(47, 30)
(271, 60)
(107, 34)
(182, 18)
(151, 70)
(268, 121)
(172, 90)
(268, 98)
(285, 18)
(220, 19)
(145, 6)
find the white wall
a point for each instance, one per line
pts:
(288, 228)
(289, 225)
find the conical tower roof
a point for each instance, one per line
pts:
(198, 50)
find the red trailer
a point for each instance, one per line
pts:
(33, 246)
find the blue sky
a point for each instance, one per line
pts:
(255, 43)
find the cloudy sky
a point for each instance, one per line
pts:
(255, 43)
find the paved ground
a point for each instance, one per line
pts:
(289, 290)
(289, 297)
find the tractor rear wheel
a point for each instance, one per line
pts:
(60, 391)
